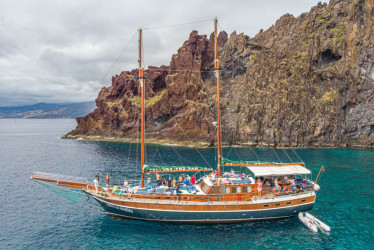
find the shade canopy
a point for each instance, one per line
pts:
(279, 171)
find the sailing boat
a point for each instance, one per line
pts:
(221, 197)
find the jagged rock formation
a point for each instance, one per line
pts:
(306, 81)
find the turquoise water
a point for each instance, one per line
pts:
(33, 216)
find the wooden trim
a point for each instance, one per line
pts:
(209, 206)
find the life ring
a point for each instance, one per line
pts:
(286, 190)
(276, 190)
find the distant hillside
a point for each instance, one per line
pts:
(48, 110)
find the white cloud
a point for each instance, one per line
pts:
(60, 51)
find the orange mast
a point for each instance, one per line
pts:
(141, 79)
(216, 66)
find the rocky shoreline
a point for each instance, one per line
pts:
(201, 144)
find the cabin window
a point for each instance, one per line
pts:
(215, 190)
(246, 189)
(227, 190)
(235, 190)
(223, 189)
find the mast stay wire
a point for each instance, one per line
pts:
(179, 156)
(182, 131)
(145, 85)
(277, 155)
(112, 65)
(175, 25)
(296, 154)
(285, 151)
(258, 159)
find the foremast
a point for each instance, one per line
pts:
(216, 67)
(142, 96)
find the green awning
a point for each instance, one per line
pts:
(227, 161)
(170, 169)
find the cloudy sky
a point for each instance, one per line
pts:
(66, 51)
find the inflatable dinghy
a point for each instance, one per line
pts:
(308, 222)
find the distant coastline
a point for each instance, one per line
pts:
(48, 110)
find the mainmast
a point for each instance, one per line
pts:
(141, 80)
(216, 67)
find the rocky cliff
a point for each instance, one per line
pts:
(306, 81)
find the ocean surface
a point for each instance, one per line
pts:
(39, 216)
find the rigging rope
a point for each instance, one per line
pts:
(175, 25)
(114, 62)
(296, 154)
(277, 155)
(287, 154)
(254, 153)
(181, 130)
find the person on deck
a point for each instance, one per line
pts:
(186, 182)
(125, 184)
(158, 179)
(276, 184)
(213, 177)
(293, 184)
(130, 191)
(180, 179)
(174, 182)
(216, 172)
(169, 182)
(232, 172)
(272, 184)
(259, 186)
(177, 190)
(149, 183)
(97, 176)
(193, 180)
(107, 181)
(267, 182)
(96, 183)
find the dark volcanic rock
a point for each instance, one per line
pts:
(306, 81)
